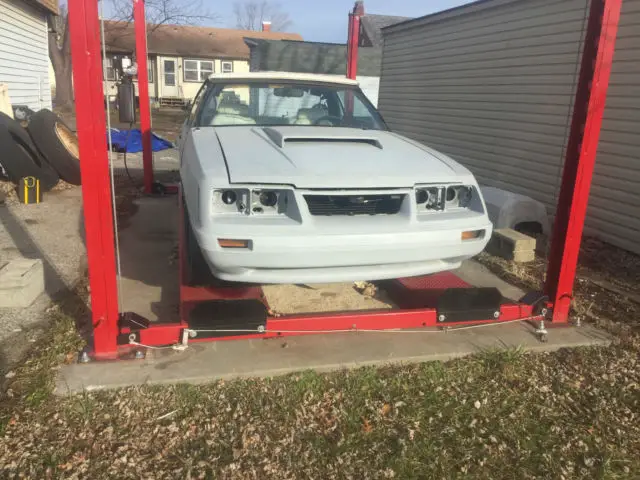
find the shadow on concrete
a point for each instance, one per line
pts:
(149, 283)
(56, 289)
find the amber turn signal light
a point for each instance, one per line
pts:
(231, 243)
(472, 234)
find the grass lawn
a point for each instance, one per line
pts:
(568, 414)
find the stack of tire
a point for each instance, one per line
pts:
(47, 149)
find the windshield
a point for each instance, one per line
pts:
(287, 104)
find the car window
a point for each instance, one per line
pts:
(287, 103)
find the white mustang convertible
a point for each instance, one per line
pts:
(292, 178)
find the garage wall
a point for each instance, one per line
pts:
(614, 207)
(24, 57)
(492, 85)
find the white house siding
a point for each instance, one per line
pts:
(186, 90)
(24, 58)
(492, 85)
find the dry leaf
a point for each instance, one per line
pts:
(366, 426)
(386, 408)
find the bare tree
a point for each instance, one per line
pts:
(251, 13)
(161, 12)
(158, 12)
(60, 56)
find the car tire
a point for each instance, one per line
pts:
(197, 271)
(57, 143)
(20, 157)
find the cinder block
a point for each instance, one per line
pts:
(512, 245)
(21, 282)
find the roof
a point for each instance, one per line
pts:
(310, 57)
(472, 7)
(298, 77)
(50, 6)
(373, 25)
(187, 40)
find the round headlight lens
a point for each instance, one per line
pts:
(229, 197)
(268, 199)
(452, 193)
(421, 196)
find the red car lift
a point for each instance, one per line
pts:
(213, 311)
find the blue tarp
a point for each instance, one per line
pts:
(134, 141)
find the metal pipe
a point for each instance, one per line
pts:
(143, 92)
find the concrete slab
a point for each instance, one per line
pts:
(201, 363)
(21, 282)
(149, 262)
(51, 232)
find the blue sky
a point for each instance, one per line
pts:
(326, 20)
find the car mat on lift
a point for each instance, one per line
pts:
(228, 317)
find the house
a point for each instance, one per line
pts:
(492, 84)
(327, 58)
(24, 51)
(180, 57)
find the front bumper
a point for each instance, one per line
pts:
(286, 256)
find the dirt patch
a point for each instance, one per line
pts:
(607, 283)
(300, 299)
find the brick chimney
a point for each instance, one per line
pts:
(266, 26)
(358, 8)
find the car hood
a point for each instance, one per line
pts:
(331, 157)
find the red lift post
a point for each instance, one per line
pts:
(353, 40)
(140, 25)
(113, 333)
(84, 29)
(580, 159)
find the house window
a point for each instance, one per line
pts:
(109, 69)
(227, 67)
(150, 67)
(197, 70)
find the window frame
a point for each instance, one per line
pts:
(150, 73)
(108, 64)
(198, 69)
(222, 64)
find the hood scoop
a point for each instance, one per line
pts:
(282, 139)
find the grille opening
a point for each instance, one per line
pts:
(328, 205)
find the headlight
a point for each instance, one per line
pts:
(430, 197)
(229, 197)
(230, 200)
(268, 198)
(269, 202)
(459, 196)
(254, 201)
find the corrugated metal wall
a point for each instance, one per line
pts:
(24, 57)
(492, 85)
(614, 208)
